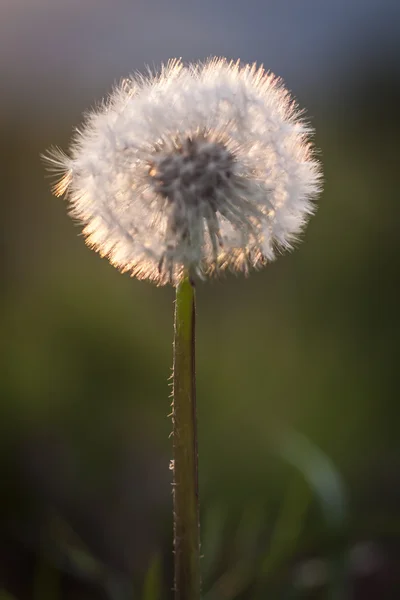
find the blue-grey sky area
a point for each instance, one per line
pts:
(74, 49)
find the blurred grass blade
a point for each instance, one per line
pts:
(248, 531)
(4, 595)
(327, 485)
(287, 528)
(237, 578)
(319, 472)
(153, 583)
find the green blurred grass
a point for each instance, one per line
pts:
(308, 342)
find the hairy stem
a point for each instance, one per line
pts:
(185, 467)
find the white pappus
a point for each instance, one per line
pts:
(196, 169)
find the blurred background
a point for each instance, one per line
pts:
(297, 379)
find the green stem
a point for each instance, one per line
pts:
(185, 468)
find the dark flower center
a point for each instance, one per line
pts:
(194, 171)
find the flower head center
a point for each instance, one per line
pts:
(194, 170)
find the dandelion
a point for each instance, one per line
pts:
(184, 174)
(197, 169)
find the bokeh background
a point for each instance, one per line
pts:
(297, 376)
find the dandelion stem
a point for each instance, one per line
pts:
(185, 465)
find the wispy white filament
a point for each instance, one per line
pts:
(199, 168)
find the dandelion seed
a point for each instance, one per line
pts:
(197, 169)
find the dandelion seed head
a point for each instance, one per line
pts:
(195, 169)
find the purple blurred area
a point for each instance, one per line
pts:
(56, 53)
